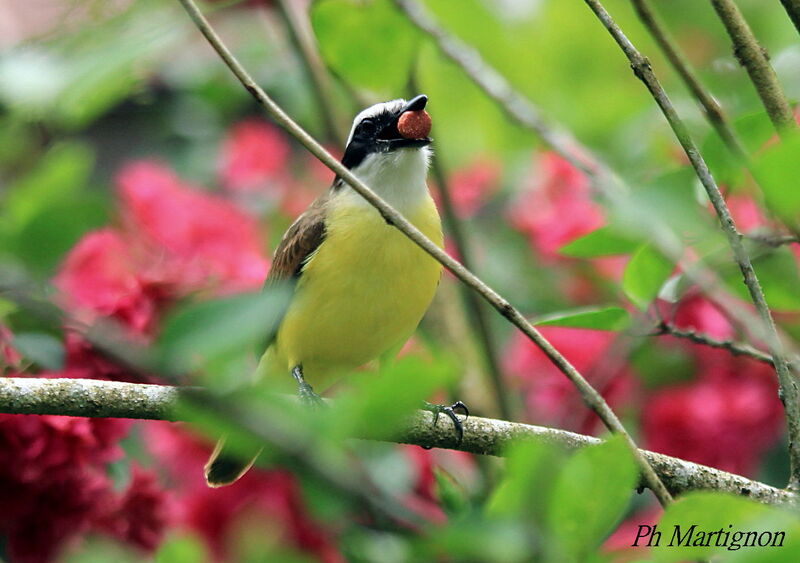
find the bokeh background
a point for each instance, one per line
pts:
(139, 183)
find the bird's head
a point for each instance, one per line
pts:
(388, 146)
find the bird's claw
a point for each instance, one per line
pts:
(450, 412)
(308, 397)
(305, 391)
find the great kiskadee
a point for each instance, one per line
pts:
(361, 286)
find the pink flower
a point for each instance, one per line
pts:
(254, 157)
(556, 207)
(53, 485)
(270, 498)
(746, 212)
(9, 357)
(549, 396)
(730, 415)
(33, 447)
(200, 239)
(38, 519)
(100, 277)
(471, 186)
(142, 512)
(726, 423)
(696, 313)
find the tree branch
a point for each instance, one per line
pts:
(485, 436)
(753, 57)
(322, 88)
(735, 348)
(793, 9)
(787, 386)
(590, 396)
(606, 183)
(710, 106)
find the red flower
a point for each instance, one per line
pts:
(200, 239)
(550, 397)
(34, 448)
(269, 497)
(101, 278)
(38, 519)
(556, 207)
(9, 357)
(730, 415)
(53, 485)
(254, 157)
(472, 185)
(725, 423)
(142, 512)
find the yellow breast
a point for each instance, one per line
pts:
(362, 292)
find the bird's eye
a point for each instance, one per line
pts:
(367, 127)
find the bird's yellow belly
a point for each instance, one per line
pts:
(362, 293)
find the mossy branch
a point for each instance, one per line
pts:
(485, 436)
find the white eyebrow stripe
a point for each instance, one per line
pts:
(390, 106)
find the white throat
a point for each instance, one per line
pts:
(398, 177)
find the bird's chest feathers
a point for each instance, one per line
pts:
(369, 258)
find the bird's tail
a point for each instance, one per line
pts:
(224, 467)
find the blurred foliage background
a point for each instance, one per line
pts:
(143, 191)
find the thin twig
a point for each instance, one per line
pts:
(303, 40)
(773, 240)
(793, 9)
(483, 436)
(497, 88)
(787, 385)
(605, 183)
(753, 57)
(392, 217)
(475, 305)
(735, 348)
(713, 111)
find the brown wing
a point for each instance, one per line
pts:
(301, 239)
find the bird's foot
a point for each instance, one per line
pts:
(450, 412)
(306, 393)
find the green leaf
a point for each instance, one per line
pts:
(60, 173)
(182, 548)
(605, 241)
(200, 332)
(598, 318)
(753, 131)
(43, 349)
(526, 488)
(777, 170)
(377, 404)
(368, 43)
(778, 275)
(711, 512)
(590, 495)
(644, 276)
(55, 229)
(453, 499)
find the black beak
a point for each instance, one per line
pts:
(393, 137)
(415, 104)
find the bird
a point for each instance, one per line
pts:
(361, 286)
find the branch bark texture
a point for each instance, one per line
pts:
(788, 391)
(590, 396)
(710, 106)
(752, 56)
(485, 436)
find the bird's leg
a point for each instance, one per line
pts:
(451, 414)
(304, 390)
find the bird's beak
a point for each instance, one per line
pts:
(415, 104)
(391, 134)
